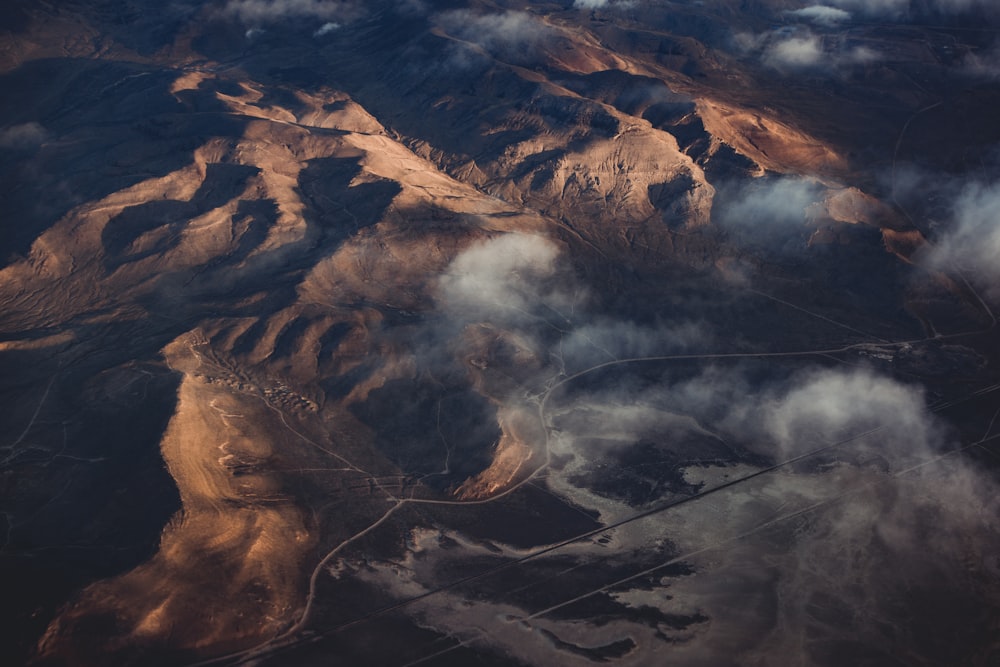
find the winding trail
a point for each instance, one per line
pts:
(290, 638)
(293, 637)
(286, 641)
(34, 415)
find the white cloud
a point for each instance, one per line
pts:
(499, 280)
(326, 29)
(898, 9)
(746, 42)
(518, 282)
(779, 419)
(972, 243)
(511, 34)
(858, 56)
(849, 516)
(834, 404)
(884, 8)
(822, 15)
(983, 65)
(260, 11)
(795, 52)
(788, 50)
(601, 4)
(779, 202)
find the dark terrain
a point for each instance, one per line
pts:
(499, 333)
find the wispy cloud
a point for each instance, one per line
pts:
(264, 11)
(898, 9)
(769, 212)
(780, 418)
(822, 15)
(847, 537)
(511, 35)
(792, 50)
(603, 339)
(809, 51)
(521, 282)
(883, 8)
(601, 4)
(805, 534)
(983, 65)
(327, 28)
(971, 239)
(502, 280)
(836, 404)
(23, 136)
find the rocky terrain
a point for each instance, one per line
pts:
(501, 333)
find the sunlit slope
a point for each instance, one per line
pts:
(350, 265)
